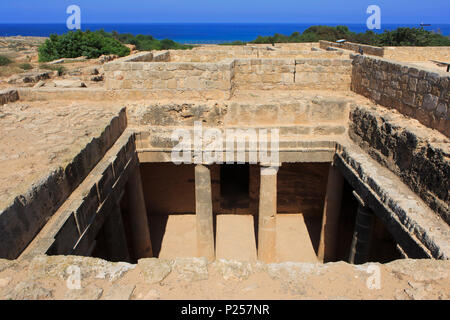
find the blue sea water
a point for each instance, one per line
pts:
(196, 32)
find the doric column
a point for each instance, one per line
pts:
(267, 215)
(330, 218)
(140, 233)
(362, 236)
(204, 212)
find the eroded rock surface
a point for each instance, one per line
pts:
(55, 277)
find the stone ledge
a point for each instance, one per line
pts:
(415, 227)
(419, 156)
(21, 220)
(372, 50)
(45, 278)
(69, 223)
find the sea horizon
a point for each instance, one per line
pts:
(200, 32)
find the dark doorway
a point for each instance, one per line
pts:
(234, 186)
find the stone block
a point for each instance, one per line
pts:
(86, 212)
(105, 182)
(66, 238)
(430, 102)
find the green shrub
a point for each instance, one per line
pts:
(4, 60)
(146, 42)
(234, 43)
(78, 43)
(413, 37)
(25, 66)
(398, 37)
(94, 44)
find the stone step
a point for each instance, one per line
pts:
(293, 239)
(179, 238)
(235, 237)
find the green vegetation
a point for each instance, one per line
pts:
(234, 43)
(146, 42)
(4, 60)
(399, 37)
(79, 43)
(413, 37)
(94, 44)
(25, 66)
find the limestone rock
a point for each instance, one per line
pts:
(39, 84)
(8, 95)
(91, 292)
(152, 294)
(91, 71)
(120, 292)
(58, 267)
(6, 264)
(97, 78)
(234, 270)
(58, 61)
(107, 58)
(293, 270)
(113, 271)
(30, 290)
(75, 72)
(4, 282)
(30, 77)
(69, 84)
(191, 269)
(154, 270)
(421, 270)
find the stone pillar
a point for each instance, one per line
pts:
(140, 233)
(359, 250)
(267, 215)
(330, 218)
(115, 238)
(204, 213)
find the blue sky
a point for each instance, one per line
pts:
(299, 11)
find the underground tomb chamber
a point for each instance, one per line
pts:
(234, 228)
